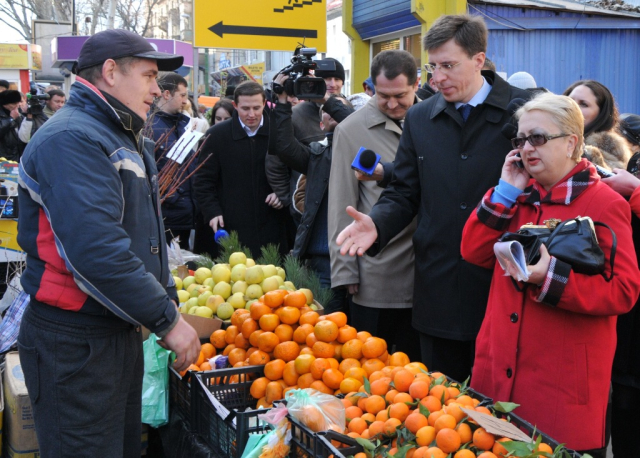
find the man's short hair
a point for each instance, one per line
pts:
(393, 63)
(169, 81)
(94, 73)
(4, 84)
(248, 88)
(469, 32)
(57, 92)
(489, 65)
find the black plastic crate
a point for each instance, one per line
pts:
(528, 428)
(180, 394)
(484, 400)
(219, 408)
(326, 449)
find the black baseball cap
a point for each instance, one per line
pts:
(118, 43)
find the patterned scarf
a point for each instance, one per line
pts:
(566, 190)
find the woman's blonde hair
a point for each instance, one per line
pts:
(565, 114)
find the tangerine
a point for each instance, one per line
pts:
(232, 332)
(318, 367)
(332, 378)
(289, 315)
(326, 331)
(482, 439)
(290, 374)
(273, 370)
(323, 350)
(218, 339)
(425, 435)
(448, 440)
(273, 298)
(309, 318)
(374, 347)
(259, 387)
(352, 349)
(415, 421)
(236, 355)
(295, 299)
(268, 322)
(305, 380)
(284, 332)
(267, 341)
(339, 318)
(287, 351)
(259, 358)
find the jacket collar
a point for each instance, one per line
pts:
(583, 176)
(238, 133)
(374, 117)
(498, 100)
(86, 95)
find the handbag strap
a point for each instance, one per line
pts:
(614, 247)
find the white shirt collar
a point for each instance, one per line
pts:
(480, 96)
(248, 130)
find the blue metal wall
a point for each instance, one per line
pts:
(372, 18)
(558, 57)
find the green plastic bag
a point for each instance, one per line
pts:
(155, 383)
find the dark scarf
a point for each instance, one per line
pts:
(130, 120)
(565, 191)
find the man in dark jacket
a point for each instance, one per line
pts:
(450, 153)
(168, 125)
(96, 259)
(231, 187)
(10, 119)
(314, 161)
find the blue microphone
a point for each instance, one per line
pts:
(365, 161)
(220, 234)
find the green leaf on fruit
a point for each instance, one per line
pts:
(505, 407)
(424, 411)
(367, 385)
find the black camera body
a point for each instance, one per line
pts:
(300, 83)
(35, 101)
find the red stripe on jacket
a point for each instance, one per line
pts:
(57, 286)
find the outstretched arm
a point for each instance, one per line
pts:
(358, 236)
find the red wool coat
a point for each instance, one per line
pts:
(550, 348)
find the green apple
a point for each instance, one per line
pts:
(202, 299)
(290, 286)
(237, 272)
(270, 284)
(178, 282)
(269, 270)
(201, 274)
(281, 273)
(225, 310)
(254, 292)
(209, 282)
(254, 275)
(237, 300)
(183, 296)
(204, 312)
(237, 258)
(188, 281)
(191, 303)
(222, 289)
(213, 302)
(221, 273)
(239, 287)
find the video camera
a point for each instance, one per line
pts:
(300, 83)
(35, 100)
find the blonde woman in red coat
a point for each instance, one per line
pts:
(550, 346)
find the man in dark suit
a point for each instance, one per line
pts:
(451, 151)
(231, 187)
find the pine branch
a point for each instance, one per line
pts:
(228, 246)
(270, 255)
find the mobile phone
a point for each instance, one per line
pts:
(519, 163)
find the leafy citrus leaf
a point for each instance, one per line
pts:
(505, 407)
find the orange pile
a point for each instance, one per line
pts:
(387, 397)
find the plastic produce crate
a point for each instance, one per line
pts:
(223, 413)
(484, 400)
(326, 449)
(180, 394)
(529, 429)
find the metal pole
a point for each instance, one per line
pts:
(206, 71)
(196, 73)
(74, 28)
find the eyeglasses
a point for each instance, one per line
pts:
(534, 140)
(444, 68)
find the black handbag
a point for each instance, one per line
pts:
(573, 241)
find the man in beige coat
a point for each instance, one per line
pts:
(381, 286)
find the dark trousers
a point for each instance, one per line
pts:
(392, 325)
(84, 382)
(625, 422)
(321, 265)
(453, 358)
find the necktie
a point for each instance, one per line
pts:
(464, 111)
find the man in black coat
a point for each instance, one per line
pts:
(451, 152)
(231, 187)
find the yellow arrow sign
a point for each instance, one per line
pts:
(276, 25)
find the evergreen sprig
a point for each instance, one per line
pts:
(270, 254)
(228, 246)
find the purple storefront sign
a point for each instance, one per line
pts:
(67, 49)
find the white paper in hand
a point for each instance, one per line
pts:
(511, 258)
(185, 143)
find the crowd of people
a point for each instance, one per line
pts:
(408, 247)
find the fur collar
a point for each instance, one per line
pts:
(607, 149)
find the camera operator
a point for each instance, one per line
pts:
(35, 115)
(314, 161)
(57, 99)
(10, 120)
